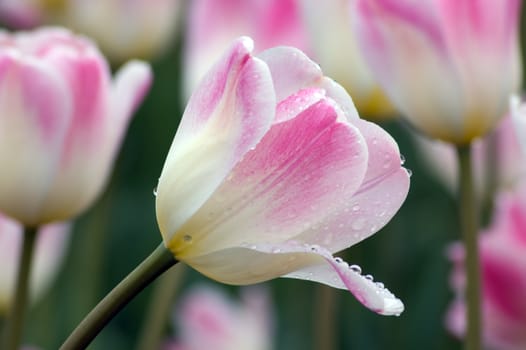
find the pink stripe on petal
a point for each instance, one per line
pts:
(302, 171)
(382, 192)
(254, 263)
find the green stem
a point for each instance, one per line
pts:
(325, 324)
(15, 319)
(469, 227)
(160, 260)
(159, 309)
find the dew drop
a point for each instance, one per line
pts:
(276, 250)
(375, 141)
(338, 260)
(409, 172)
(380, 285)
(187, 238)
(356, 268)
(402, 159)
(314, 248)
(155, 191)
(358, 224)
(356, 208)
(369, 277)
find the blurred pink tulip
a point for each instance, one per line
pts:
(272, 171)
(50, 249)
(62, 119)
(124, 29)
(214, 24)
(209, 319)
(20, 14)
(335, 47)
(442, 159)
(448, 65)
(503, 263)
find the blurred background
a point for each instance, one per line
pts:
(408, 254)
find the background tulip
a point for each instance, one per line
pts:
(335, 48)
(50, 249)
(503, 261)
(213, 24)
(123, 29)
(207, 318)
(448, 66)
(272, 171)
(62, 119)
(441, 159)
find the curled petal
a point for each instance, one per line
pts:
(257, 263)
(227, 116)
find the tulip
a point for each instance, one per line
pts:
(335, 47)
(19, 13)
(449, 66)
(123, 29)
(503, 262)
(62, 119)
(272, 171)
(213, 24)
(208, 319)
(50, 249)
(440, 157)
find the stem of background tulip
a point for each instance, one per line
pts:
(325, 324)
(160, 260)
(160, 308)
(15, 318)
(469, 227)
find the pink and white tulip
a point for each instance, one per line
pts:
(272, 171)
(335, 47)
(449, 66)
(503, 264)
(213, 24)
(209, 319)
(442, 160)
(61, 122)
(124, 29)
(51, 245)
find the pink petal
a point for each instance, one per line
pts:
(304, 170)
(249, 264)
(131, 84)
(379, 197)
(292, 70)
(227, 116)
(35, 111)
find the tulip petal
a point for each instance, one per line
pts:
(250, 264)
(379, 197)
(227, 116)
(34, 116)
(292, 71)
(303, 170)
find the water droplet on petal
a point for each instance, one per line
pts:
(155, 191)
(356, 268)
(409, 172)
(276, 250)
(187, 238)
(369, 277)
(402, 159)
(338, 260)
(355, 208)
(380, 285)
(358, 224)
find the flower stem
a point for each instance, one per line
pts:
(325, 324)
(160, 260)
(159, 309)
(469, 227)
(15, 319)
